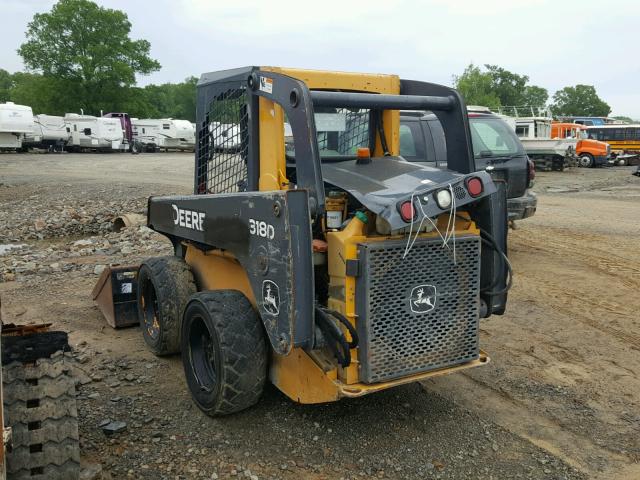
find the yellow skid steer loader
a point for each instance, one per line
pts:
(327, 263)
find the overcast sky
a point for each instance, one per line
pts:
(555, 43)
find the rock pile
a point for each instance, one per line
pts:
(87, 255)
(60, 214)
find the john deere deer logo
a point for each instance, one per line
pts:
(422, 299)
(270, 297)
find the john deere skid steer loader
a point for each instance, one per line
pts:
(328, 265)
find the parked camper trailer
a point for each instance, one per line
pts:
(49, 133)
(15, 122)
(225, 136)
(186, 134)
(95, 133)
(129, 144)
(547, 153)
(164, 133)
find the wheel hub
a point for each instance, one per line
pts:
(202, 356)
(150, 309)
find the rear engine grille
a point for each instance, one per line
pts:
(419, 313)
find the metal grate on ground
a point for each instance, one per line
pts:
(223, 144)
(395, 340)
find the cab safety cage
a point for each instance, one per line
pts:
(298, 102)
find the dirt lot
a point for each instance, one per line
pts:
(560, 399)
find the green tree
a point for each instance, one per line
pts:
(534, 96)
(581, 100)
(623, 118)
(44, 94)
(81, 44)
(476, 87)
(6, 82)
(184, 99)
(508, 86)
(175, 100)
(494, 87)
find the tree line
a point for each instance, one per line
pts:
(48, 94)
(79, 56)
(494, 87)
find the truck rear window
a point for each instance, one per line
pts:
(491, 137)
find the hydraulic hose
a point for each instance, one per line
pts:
(487, 239)
(336, 339)
(492, 243)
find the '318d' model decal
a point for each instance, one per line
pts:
(261, 229)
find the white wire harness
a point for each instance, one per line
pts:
(450, 231)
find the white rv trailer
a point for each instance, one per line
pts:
(225, 137)
(15, 122)
(186, 133)
(164, 133)
(95, 133)
(49, 132)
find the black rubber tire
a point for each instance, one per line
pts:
(586, 160)
(557, 165)
(224, 352)
(165, 285)
(40, 407)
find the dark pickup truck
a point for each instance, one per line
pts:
(495, 146)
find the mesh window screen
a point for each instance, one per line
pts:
(223, 144)
(342, 131)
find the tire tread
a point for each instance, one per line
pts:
(57, 413)
(244, 350)
(174, 284)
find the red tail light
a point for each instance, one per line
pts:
(474, 186)
(407, 211)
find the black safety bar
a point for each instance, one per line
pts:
(381, 101)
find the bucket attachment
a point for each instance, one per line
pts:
(115, 295)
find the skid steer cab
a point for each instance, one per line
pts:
(327, 264)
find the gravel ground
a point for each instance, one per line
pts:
(60, 209)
